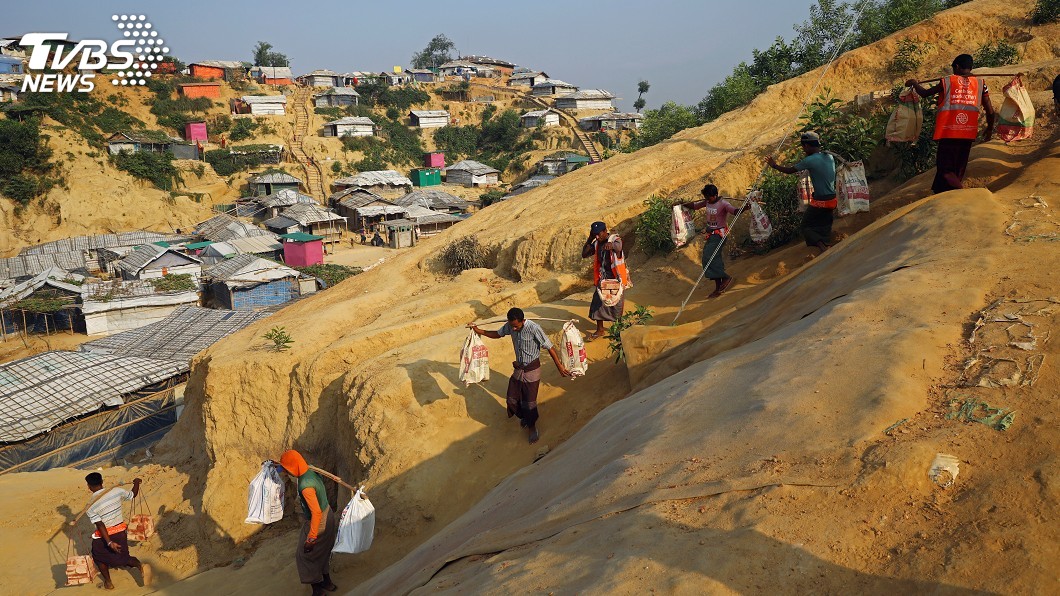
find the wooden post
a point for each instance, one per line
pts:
(3, 326)
(47, 332)
(25, 327)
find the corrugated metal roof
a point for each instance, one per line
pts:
(377, 210)
(470, 165)
(284, 198)
(356, 197)
(587, 94)
(429, 113)
(339, 91)
(539, 113)
(249, 268)
(280, 223)
(309, 214)
(147, 254)
(110, 290)
(323, 72)
(43, 391)
(375, 178)
(222, 228)
(432, 199)
(361, 120)
(553, 83)
(21, 266)
(219, 63)
(274, 72)
(252, 99)
(274, 178)
(153, 137)
(51, 277)
(180, 336)
(257, 244)
(613, 116)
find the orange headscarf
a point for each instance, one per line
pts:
(294, 463)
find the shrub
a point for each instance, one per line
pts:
(393, 113)
(653, 226)
(405, 144)
(908, 57)
(25, 161)
(242, 129)
(1045, 11)
(780, 202)
(236, 158)
(181, 282)
(219, 123)
(490, 197)
(281, 340)
(1000, 53)
(332, 113)
(463, 254)
(157, 168)
(639, 316)
(663, 123)
(336, 168)
(458, 142)
(330, 273)
(112, 120)
(842, 131)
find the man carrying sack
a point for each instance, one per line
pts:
(110, 543)
(957, 122)
(610, 276)
(312, 556)
(817, 220)
(529, 339)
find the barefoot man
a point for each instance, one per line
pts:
(529, 339)
(817, 220)
(110, 545)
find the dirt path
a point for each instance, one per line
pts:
(314, 178)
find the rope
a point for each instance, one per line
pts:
(503, 320)
(780, 145)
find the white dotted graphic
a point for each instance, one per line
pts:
(148, 50)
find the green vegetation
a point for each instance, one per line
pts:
(663, 123)
(780, 202)
(330, 273)
(908, 58)
(181, 282)
(653, 226)
(281, 340)
(498, 141)
(642, 88)
(175, 112)
(77, 111)
(383, 95)
(463, 254)
(242, 129)
(435, 54)
(333, 113)
(264, 56)
(640, 316)
(490, 197)
(237, 158)
(1045, 11)
(154, 167)
(43, 301)
(999, 53)
(112, 120)
(845, 132)
(405, 145)
(25, 165)
(218, 124)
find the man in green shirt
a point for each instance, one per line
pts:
(817, 220)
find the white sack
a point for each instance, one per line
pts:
(356, 526)
(265, 497)
(474, 360)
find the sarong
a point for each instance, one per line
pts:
(598, 311)
(717, 266)
(522, 392)
(313, 565)
(817, 225)
(104, 556)
(952, 158)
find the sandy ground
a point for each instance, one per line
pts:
(749, 451)
(22, 346)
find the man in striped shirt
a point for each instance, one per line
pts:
(529, 339)
(110, 544)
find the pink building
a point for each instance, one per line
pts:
(195, 131)
(302, 250)
(434, 159)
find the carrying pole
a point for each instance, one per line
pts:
(327, 474)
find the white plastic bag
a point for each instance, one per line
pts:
(852, 186)
(574, 357)
(1016, 119)
(907, 120)
(682, 230)
(356, 526)
(265, 498)
(761, 227)
(474, 360)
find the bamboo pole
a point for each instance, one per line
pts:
(937, 79)
(3, 326)
(327, 474)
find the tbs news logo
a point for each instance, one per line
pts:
(128, 61)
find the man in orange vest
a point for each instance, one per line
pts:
(609, 265)
(957, 123)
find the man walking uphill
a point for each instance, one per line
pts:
(312, 555)
(957, 123)
(609, 275)
(717, 228)
(529, 339)
(110, 544)
(817, 221)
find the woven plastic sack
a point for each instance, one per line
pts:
(356, 526)
(1016, 119)
(265, 497)
(574, 356)
(761, 228)
(907, 119)
(852, 187)
(682, 230)
(804, 189)
(474, 360)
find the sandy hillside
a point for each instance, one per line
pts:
(724, 449)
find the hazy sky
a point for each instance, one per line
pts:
(682, 47)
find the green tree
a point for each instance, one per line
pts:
(642, 88)
(1045, 11)
(264, 56)
(24, 160)
(738, 89)
(1000, 53)
(435, 54)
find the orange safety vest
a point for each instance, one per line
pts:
(618, 264)
(959, 102)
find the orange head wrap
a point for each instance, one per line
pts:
(294, 463)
